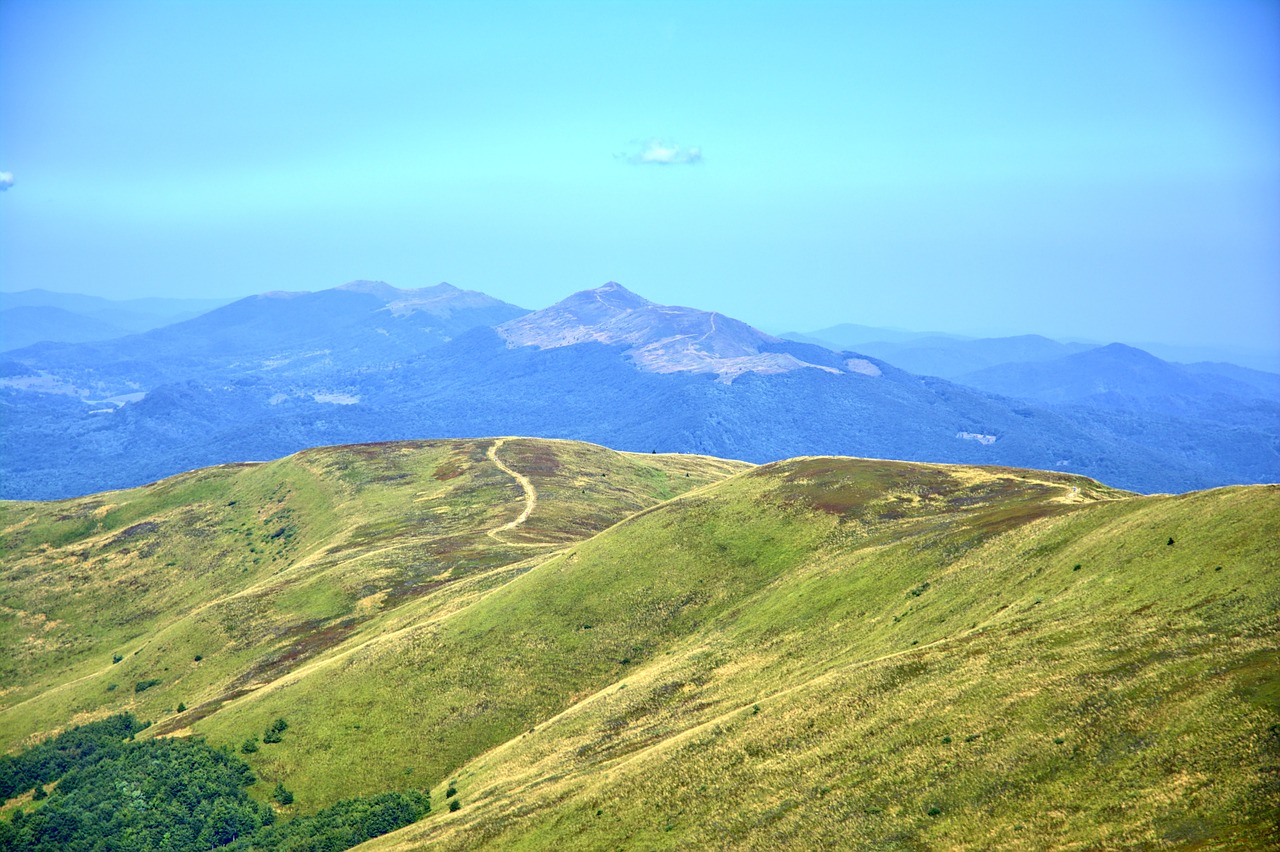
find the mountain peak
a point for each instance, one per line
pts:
(1125, 352)
(443, 300)
(610, 295)
(659, 338)
(381, 289)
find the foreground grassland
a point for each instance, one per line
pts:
(819, 653)
(217, 583)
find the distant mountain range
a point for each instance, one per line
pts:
(948, 355)
(272, 374)
(950, 358)
(35, 316)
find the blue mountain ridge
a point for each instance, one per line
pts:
(271, 375)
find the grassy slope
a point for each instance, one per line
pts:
(262, 570)
(816, 653)
(834, 653)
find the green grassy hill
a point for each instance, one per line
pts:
(219, 582)
(819, 653)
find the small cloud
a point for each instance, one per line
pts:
(6, 180)
(656, 152)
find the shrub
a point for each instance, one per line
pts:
(182, 708)
(38, 793)
(250, 745)
(451, 792)
(273, 733)
(1076, 567)
(144, 685)
(343, 824)
(1171, 541)
(454, 805)
(199, 657)
(935, 811)
(282, 794)
(115, 658)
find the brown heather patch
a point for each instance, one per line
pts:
(172, 726)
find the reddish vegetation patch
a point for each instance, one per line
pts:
(137, 529)
(1005, 518)
(195, 714)
(845, 487)
(407, 591)
(531, 459)
(880, 491)
(312, 639)
(82, 510)
(447, 470)
(371, 451)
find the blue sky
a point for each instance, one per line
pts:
(1108, 171)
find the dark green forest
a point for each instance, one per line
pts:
(97, 788)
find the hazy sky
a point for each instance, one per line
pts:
(1104, 170)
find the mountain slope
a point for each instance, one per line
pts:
(92, 312)
(1115, 372)
(851, 336)
(855, 667)
(819, 652)
(25, 325)
(951, 358)
(658, 338)
(259, 568)
(272, 375)
(281, 337)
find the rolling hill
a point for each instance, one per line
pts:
(587, 649)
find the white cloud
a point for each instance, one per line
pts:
(656, 152)
(6, 180)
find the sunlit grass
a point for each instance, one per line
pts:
(821, 653)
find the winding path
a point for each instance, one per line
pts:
(530, 493)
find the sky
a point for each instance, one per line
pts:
(1100, 171)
